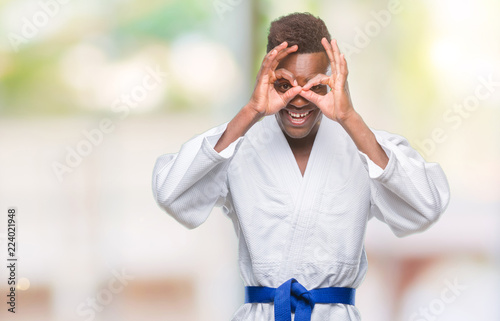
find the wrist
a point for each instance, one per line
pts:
(348, 119)
(252, 112)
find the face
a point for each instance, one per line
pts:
(291, 119)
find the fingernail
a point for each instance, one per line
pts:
(295, 83)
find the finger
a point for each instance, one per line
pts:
(336, 55)
(282, 45)
(343, 66)
(291, 93)
(283, 73)
(329, 52)
(318, 79)
(265, 67)
(282, 54)
(278, 49)
(285, 51)
(342, 75)
(311, 96)
(272, 77)
(269, 58)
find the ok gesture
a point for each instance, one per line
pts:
(336, 104)
(265, 99)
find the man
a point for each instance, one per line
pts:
(300, 174)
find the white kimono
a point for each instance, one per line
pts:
(309, 227)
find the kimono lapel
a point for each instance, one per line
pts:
(288, 168)
(304, 189)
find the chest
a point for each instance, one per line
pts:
(285, 214)
(266, 164)
(301, 158)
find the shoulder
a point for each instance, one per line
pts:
(264, 131)
(386, 136)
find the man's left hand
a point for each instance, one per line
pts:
(336, 104)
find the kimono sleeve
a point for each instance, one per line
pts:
(188, 184)
(409, 194)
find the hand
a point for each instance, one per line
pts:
(265, 99)
(336, 104)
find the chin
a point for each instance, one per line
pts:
(297, 133)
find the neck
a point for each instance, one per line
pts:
(303, 143)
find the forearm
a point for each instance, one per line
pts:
(237, 127)
(364, 139)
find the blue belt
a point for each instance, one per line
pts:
(291, 296)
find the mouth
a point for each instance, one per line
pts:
(298, 119)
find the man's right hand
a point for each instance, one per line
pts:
(265, 99)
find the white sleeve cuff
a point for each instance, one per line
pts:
(211, 140)
(375, 171)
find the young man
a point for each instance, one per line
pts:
(300, 174)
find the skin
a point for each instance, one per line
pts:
(297, 82)
(299, 69)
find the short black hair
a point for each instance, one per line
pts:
(302, 29)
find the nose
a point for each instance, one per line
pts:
(299, 101)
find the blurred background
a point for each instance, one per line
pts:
(92, 92)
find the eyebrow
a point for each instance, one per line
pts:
(309, 78)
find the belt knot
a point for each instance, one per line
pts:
(292, 296)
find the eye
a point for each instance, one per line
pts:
(317, 87)
(284, 86)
